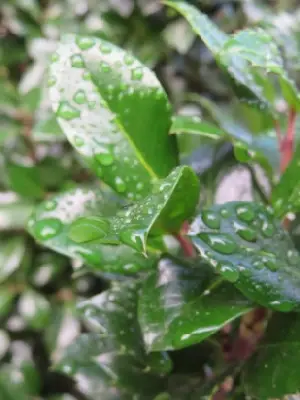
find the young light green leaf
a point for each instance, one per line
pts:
(273, 371)
(171, 202)
(115, 113)
(247, 245)
(112, 359)
(51, 221)
(194, 125)
(182, 304)
(286, 194)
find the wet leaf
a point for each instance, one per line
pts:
(114, 112)
(51, 221)
(273, 371)
(164, 210)
(286, 194)
(112, 361)
(247, 245)
(194, 125)
(182, 304)
(12, 251)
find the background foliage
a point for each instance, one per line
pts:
(88, 316)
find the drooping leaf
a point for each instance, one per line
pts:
(286, 194)
(112, 360)
(52, 219)
(115, 113)
(12, 251)
(247, 245)
(182, 304)
(171, 202)
(273, 371)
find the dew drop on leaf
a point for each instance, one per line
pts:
(50, 205)
(219, 243)
(267, 229)
(245, 213)
(47, 228)
(282, 306)
(120, 185)
(105, 48)
(211, 219)
(271, 264)
(80, 97)
(85, 43)
(105, 158)
(66, 111)
(78, 141)
(77, 61)
(228, 272)
(137, 74)
(51, 81)
(128, 60)
(54, 57)
(245, 232)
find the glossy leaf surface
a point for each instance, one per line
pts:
(181, 305)
(273, 371)
(171, 202)
(112, 360)
(14, 213)
(114, 112)
(247, 245)
(286, 194)
(194, 125)
(50, 225)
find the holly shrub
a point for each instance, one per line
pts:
(150, 198)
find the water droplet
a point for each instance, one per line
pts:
(211, 219)
(86, 76)
(50, 205)
(66, 111)
(137, 74)
(104, 67)
(140, 186)
(228, 271)
(80, 97)
(245, 213)
(245, 232)
(47, 228)
(77, 61)
(267, 229)
(51, 81)
(271, 264)
(128, 59)
(282, 305)
(78, 141)
(91, 105)
(85, 42)
(225, 213)
(219, 243)
(105, 48)
(258, 265)
(120, 185)
(133, 239)
(105, 158)
(54, 57)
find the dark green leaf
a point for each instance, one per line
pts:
(247, 245)
(52, 219)
(171, 202)
(25, 180)
(112, 362)
(273, 371)
(286, 194)
(12, 251)
(115, 113)
(183, 304)
(6, 301)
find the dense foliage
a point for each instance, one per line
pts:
(149, 210)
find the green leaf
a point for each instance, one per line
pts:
(194, 125)
(247, 245)
(14, 384)
(182, 304)
(163, 210)
(25, 180)
(285, 195)
(273, 371)
(51, 221)
(115, 113)
(12, 251)
(14, 213)
(6, 301)
(112, 360)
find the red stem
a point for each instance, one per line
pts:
(286, 145)
(186, 245)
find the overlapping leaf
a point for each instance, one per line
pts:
(171, 202)
(114, 112)
(247, 245)
(51, 222)
(181, 305)
(273, 371)
(111, 361)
